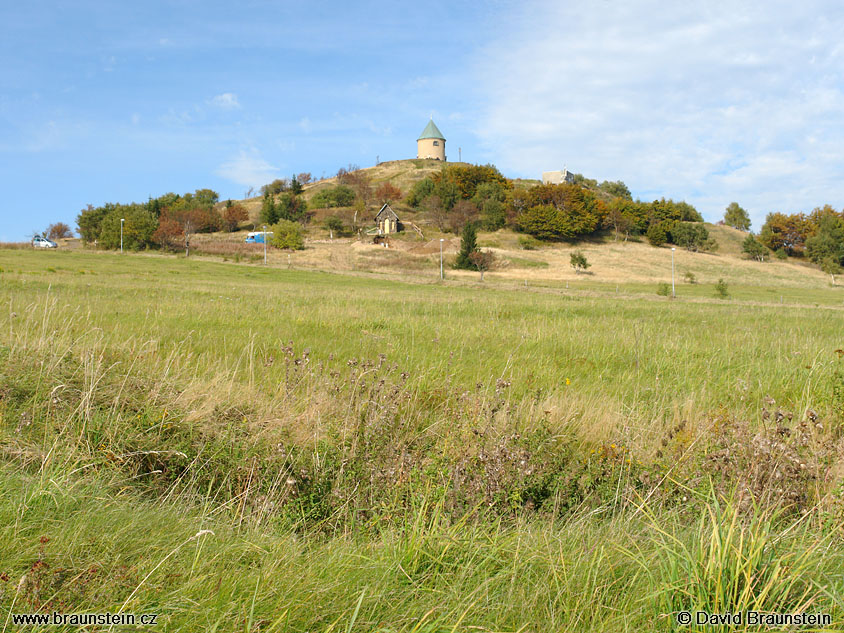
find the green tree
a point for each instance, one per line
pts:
(617, 189)
(331, 197)
(656, 234)
(287, 235)
(721, 290)
(754, 249)
(692, 236)
(138, 227)
(334, 225)
(89, 222)
(578, 262)
(269, 212)
(468, 245)
(737, 217)
(828, 241)
(831, 267)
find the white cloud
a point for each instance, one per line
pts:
(225, 101)
(711, 102)
(248, 168)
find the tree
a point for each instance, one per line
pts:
(305, 177)
(482, 261)
(753, 248)
(387, 193)
(169, 235)
(617, 189)
(692, 236)
(269, 212)
(831, 267)
(788, 232)
(578, 262)
(295, 186)
(828, 241)
(89, 222)
(287, 235)
(434, 209)
(468, 245)
(58, 231)
(559, 212)
(138, 227)
(275, 187)
(233, 215)
(331, 197)
(721, 290)
(656, 234)
(737, 217)
(334, 225)
(463, 213)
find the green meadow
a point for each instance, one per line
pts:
(241, 448)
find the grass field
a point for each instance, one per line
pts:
(271, 449)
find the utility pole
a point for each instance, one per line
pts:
(265, 245)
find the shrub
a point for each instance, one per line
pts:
(334, 225)
(721, 290)
(578, 261)
(781, 254)
(528, 243)
(287, 235)
(690, 278)
(663, 289)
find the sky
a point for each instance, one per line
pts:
(707, 102)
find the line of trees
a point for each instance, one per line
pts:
(166, 222)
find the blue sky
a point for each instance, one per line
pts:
(708, 102)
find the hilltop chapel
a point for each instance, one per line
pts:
(431, 143)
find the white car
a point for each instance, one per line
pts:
(43, 242)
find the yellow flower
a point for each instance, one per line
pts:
(568, 382)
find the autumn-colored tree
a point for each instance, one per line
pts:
(358, 180)
(169, 235)
(305, 177)
(463, 213)
(387, 193)
(58, 231)
(482, 261)
(233, 215)
(787, 232)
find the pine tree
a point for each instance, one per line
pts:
(269, 211)
(468, 245)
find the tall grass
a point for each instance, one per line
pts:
(242, 449)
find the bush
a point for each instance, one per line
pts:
(721, 290)
(663, 289)
(578, 261)
(781, 254)
(528, 243)
(690, 278)
(287, 235)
